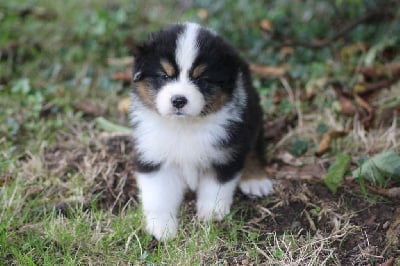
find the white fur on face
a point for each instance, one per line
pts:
(185, 88)
(185, 54)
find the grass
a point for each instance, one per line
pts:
(67, 191)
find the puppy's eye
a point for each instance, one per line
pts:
(165, 76)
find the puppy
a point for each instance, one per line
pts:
(197, 124)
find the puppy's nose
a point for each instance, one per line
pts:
(178, 101)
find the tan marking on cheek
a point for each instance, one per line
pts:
(198, 71)
(144, 92)
(217, 102)
(168, 68)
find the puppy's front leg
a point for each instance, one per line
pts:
(161, 194)
(214, 199)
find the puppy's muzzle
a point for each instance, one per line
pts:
(178, 101)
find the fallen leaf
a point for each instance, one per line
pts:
(349, 50)
(277, 97)
(274, 130)
(336, 172)
(89, 107)
(122, 76)
(392, 193)
(202, 14)
(388, 262)
(268, 71)
(346, 106)
(367, 89)
(124, 104)
(305, 172)
(388, 71)
(299, 147)
(266, 25)
(326, 140)
(285, 51)
(123, 61)
(370, 111)
(289, 159)
(380, 168)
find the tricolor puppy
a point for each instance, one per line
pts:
(197, 125)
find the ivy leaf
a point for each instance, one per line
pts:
(299, 147)
(380, 168)
(336, 172)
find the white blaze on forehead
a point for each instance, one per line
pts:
(187, 47)
(185, 54)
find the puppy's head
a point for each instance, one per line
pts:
(185, 70)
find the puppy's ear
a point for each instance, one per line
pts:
(143, 49)
(146, 47)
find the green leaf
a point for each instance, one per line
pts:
(322, 127)
(336, 172)
(299, 147)
(380, 168)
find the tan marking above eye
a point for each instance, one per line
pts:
(197, 71)
(168, 68)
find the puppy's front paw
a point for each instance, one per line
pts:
(256, 187)
(210, 210)
(162, 228)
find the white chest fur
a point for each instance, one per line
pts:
(191, 145)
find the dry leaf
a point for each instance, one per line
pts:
(277, 97)
(289, 159)
(268, 71)
(370, 111)
(392, 193)
(327, 138)
(266, 25)
(89, 107)
(286, 50)
(122, 76)
(390, 71)
(275, 129)
(305, 172)
(389, 262)
(350, 50)
(346, 106)
(124, 104)
(123, 61)
(202, 14)
(366, 89)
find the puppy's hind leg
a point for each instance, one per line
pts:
(254, 182)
